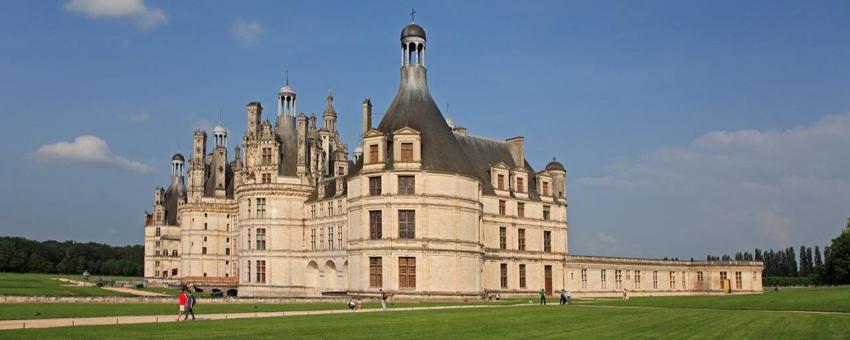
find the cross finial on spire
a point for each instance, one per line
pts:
(412, 14)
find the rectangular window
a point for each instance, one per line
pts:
(520, 184)
(520, 239)
(339, 236)
(330, 209)
(330, 237)
(261, 239)
(637, 279)
(226, 251)
(267, 156)
(249, 208)
(406, 185)
(374, 186)
(261, 208)
(520, 209)
(503, 274)
(267, 178)
(406, 224)
(502, 207)
(547, 213)
(407, 272)
(684, 282)
(545, 188)
(503, 238)
(158, 232)
(248, 269)
(722, 278)
(500, 182)
(522, 276)
(373, 153)
(375, 272)
(340, 171)
(603, 278)
(739, 284)
(407, 152)
(375, 226)
(204, 250)
(672, 280)
(547, 241)
(249, 239)
(618, 279)
(321, 237)
(261, 271)
(654, 280)
(313, 239)
(699, 277)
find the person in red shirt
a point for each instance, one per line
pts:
(182, 300)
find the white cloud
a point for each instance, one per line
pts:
(245, 30)
(140, 117)
(725, 190)
(605, 238)
(143, 16)
(87, 149)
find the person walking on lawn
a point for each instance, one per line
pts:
(181, 299)
(384, 298)
(190, 306)
(542, 296)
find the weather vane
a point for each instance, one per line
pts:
(412, 14)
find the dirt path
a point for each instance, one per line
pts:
(134, 291)
(124, 320)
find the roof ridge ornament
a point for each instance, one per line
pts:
(412, 14)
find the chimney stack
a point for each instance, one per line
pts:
(367, 115)
(516, 146)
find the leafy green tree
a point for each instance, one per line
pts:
(818, 259)
(836, 268)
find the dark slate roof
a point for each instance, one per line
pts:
(555, 165)
(413, 107)
(177, 157)
(412, 30)
(175, 193)
(209, 184)
(485, 153)
(287, 135)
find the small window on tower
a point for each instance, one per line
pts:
(407, 152)
(373, 153)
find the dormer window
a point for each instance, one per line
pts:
(373, 153)
(407, 152)
(545, 188)
(500, 181)
(520, 184)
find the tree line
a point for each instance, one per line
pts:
(832, 266)
(20, 255)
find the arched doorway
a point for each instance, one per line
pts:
(329, 271)
(311, 278)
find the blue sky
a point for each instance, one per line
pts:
(687, 127)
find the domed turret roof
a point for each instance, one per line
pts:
(555, 165)
(412, 30)
(219, 130)
(286, 89)
(177, 157)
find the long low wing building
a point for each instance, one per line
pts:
(423, 209)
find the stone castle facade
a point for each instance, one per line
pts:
(422, 210)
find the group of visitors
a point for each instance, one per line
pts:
(187, 304)
(565, 297)
(355, 304)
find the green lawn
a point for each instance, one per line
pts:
(826, 299)
(553, 322)
(22, 311)
(45, 284)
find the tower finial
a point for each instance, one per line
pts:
(412, 14)
(219, 115)
(287, 77)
